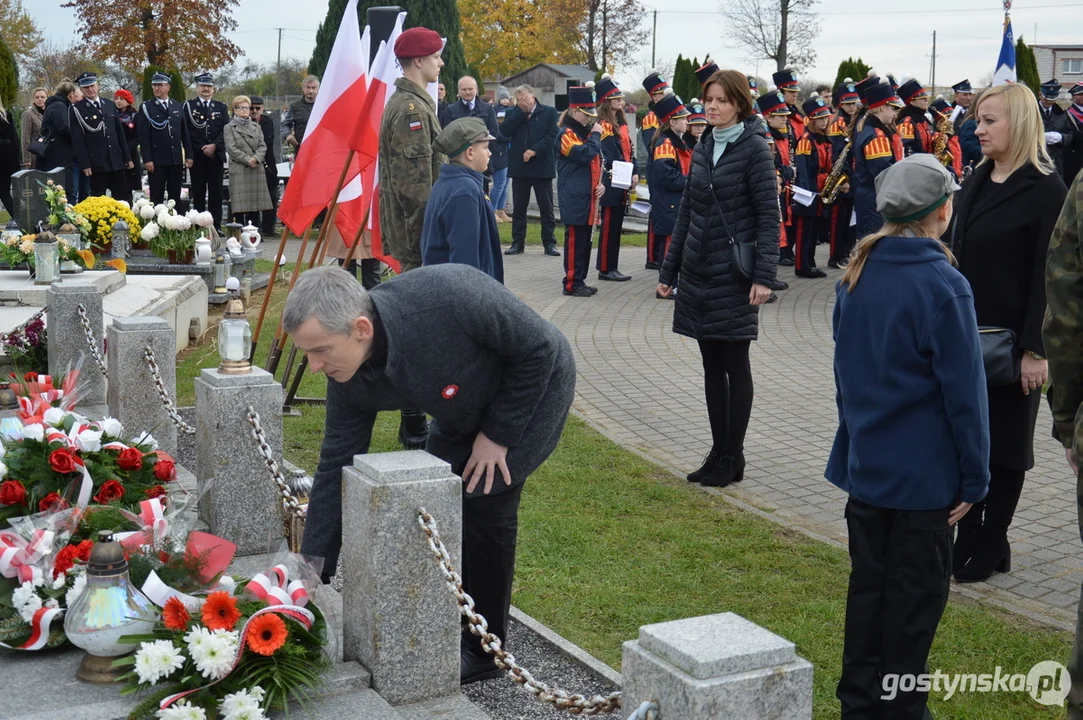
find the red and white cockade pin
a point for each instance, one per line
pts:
(450, 391)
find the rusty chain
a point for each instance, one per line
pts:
(88, 332)
(561, 700)
(293, 512)
(159, 384)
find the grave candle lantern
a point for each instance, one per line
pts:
(221, 270)
(234, 335)
(46, 259)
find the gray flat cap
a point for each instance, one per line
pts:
(912, 188)
(461, 134)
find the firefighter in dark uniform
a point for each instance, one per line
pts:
(163, 141)
(656, 87)
(579, 186)
(616, 145)
(913, 125)
(1058, 129)
(876, 148)
(813, 166)
(206, 119)
(840, 133)
(1072, 154)
(667, 175)
(964, 95)
(941, 110)
(776, 113)
(97, 136)
(965, 128)
(787, 83)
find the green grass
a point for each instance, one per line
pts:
(609, 542)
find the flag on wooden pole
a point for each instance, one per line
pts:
(1005, 72)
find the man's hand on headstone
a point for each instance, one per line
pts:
(487, 457)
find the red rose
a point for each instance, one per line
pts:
(12, 492)
(47, 502)
(62, 461)
(155, 492)
(165, 470)
(130, 459)
(65, 559)
(110, 490)
(30, 376)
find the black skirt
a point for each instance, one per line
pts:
(1012, 417)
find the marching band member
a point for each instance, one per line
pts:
(775, 112)
(876, 148)
(697, 123)
(656, 87)
(579, 186)
(813, 166)
(787, 83)
(616, 145)
(913, 125)
(942, 112)
(667, 175)
(704, 73)
(840, 132)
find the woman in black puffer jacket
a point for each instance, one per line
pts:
(734, 164)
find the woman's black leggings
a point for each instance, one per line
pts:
(727, 383)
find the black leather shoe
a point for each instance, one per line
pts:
(708, 462)
(785, 262)
(552, 251)
(770, 299)
(778, 285)
(591, 289)
(413, 430)
(651, 266)
(613, 275)
(727, 470)
(514, 250)
(813, 273)
(476, 666)
(579, 291)
(838, 264)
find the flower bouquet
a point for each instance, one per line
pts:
(61, 211)
(169, 234)
(103, 212)
(37, 393)
(235, 654)
(27, 346)
(15, 252)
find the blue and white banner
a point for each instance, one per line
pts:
(1005, 72)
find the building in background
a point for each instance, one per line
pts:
(1063, 62)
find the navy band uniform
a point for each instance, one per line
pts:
(206, 120)
(813, 160)
(841, 132)
(164, 142)
(98, 141)
(616, 145)
(876, 148)
(667, 176)
(579, 172)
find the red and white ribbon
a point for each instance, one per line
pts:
(159, 593)
(298, 614)
(18, 558)
(277, 589)
(40, 628)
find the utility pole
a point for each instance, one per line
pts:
(654, 37)
(278, 63)
(605, 27)
(932, 75)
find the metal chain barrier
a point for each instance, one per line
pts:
(156, 373)
(646, 711)
(561, 700)
(293, 512)
(90, 341)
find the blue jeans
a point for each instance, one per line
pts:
(499, 194)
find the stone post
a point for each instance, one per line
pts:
(67, 341)
(239, 500)
(135, 401)
(716, 666)
(399, 619)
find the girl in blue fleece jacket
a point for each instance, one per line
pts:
(912, 448)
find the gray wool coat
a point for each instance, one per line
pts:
(501, 369)
(247, 185)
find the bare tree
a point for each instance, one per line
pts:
(779, 30)
(610, 31)
(50, 63)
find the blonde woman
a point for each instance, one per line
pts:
(1000, 235)
(31, 122)
(248, 194)
(912, 448)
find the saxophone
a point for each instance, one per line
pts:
(944, 130)
(835, 180)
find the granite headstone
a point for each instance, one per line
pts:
(28, 194)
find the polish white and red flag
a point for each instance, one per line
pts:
(325, 146)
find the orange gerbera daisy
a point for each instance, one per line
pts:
(266, 634)
(220, 611)
(175, 614)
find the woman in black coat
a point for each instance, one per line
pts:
(734, 164)
(10, 157)
(1000, 235)
(54, 124)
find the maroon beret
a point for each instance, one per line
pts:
(418, 42)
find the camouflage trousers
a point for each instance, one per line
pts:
(1075, 664)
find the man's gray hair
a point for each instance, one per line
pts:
(329, 294)
(310, 79)
(524, 89)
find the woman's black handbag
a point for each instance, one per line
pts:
(1000, 355)
(40, 145)
(743, 261)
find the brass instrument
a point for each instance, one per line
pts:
(837, 178)
(944, 131)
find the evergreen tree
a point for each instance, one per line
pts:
(177, 89)
(1026, 66)
(853, 69)
(9, 75)
(439, 15)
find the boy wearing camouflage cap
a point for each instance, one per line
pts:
(459, 225)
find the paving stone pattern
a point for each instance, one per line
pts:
(642, 384)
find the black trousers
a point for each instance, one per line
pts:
(843, 234)
(247, 218)
(577, 245)
(267, 226)
(490, 532)
(657, 245)
(5, 195)
(370, 271)
(166, 178)
(520, 198)
(807, 232)
(207, 185)
(609, 238)
(727, 385)
(899, 581)
(115, 182)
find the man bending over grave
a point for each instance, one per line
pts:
(498, 391)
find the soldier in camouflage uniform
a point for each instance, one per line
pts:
(1062, 336)
(408, 164)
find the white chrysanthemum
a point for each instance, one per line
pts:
(181, 223)
(182, 711)
(3, 470)
(146, 212)
(22, 594)
(171, 204)
(246, 713)
(34, 431)
(52, 604)
(157, 660)
(146, 439)
(111, 427)
(197, 639)
(89, 441)
(61, 581)
(76, 589)
(31, 606)
(206, 219)
(54, 416)
(216, 654)
(243, 705)
(192, 215)
(149, 231)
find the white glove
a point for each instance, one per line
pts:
(1052, 138)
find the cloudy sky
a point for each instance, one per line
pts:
(889, 39)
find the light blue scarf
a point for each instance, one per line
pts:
(723, 137)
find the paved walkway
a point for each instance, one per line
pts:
(642, 385)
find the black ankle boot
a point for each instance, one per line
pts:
(992, 555)
(966, 537)
(727, 469)
(708, 462)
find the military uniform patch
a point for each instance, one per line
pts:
(414, 124)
